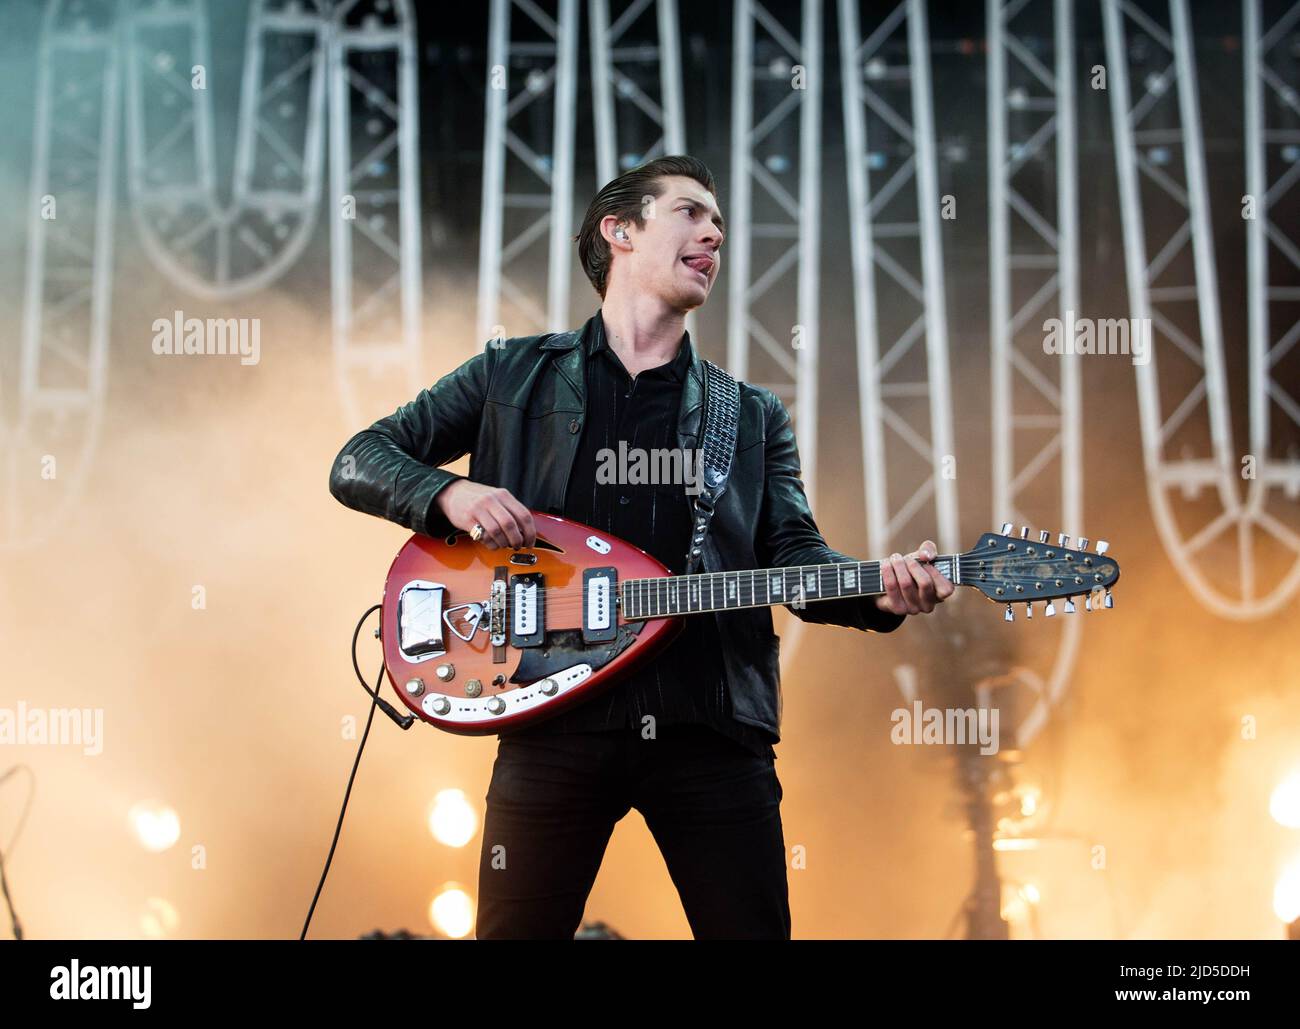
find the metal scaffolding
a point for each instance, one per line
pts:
(786, 221)
(1036, 398)
(211, 251)
(551, 64)
(64, 359)
(904, 387)
(1185, 374)
(375, 265)
(619, 67)
(1271, 108)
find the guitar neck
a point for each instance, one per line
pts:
(759, 587)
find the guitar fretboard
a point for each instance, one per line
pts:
(756, 587)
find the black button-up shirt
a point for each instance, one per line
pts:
(686, 682)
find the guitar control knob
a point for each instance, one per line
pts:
(496, 706)
(415, 687)
(445, 672)
(549, 687)
(473, 687)
(439, 705)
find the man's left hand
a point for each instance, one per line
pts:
(912, 584)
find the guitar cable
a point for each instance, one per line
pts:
(376, 701)
(15, 925)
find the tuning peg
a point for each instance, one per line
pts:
(1044, 536)
(1050, 609)
(1083, 542)
(1006, 528)
(1109, 601)
(1062, 540)
(1029, 609)
(1024, 532)
(1069, 605)
(1087, 601)
(1010, 616)
(1102, 546)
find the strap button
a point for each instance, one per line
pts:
(574, 426)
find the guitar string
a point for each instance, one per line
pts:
(567, 598)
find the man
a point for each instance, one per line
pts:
(688, 740)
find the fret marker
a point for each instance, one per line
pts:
(810, 583)
(850, 575)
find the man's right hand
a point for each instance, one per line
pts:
(506, 521)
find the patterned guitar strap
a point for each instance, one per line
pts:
(721, 419)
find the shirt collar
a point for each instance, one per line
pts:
(677, 369)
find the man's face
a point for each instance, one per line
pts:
(676, 255)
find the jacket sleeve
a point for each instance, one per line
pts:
(788, 536)
(391, 469)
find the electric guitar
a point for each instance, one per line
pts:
(477, 641)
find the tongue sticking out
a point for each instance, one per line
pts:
(700, 264)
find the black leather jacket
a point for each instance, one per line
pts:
(518, 409)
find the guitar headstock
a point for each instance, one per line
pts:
(1021, 569)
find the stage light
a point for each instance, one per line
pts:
(1030, 892)
(1156, 84)
(779, 67)
(1286, 894)
(451, 818)
(452, 912)
(156, 826)
(1015, 843)
(1284, 804)
(159, 919)
(1029, 801)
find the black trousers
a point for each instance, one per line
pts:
(712, 806)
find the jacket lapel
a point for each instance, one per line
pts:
(689, 413)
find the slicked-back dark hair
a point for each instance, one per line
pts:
(623, 196)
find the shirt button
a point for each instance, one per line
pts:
(574, 425)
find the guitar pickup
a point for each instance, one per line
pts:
(599, 605)
(527, 610)
(419, 620)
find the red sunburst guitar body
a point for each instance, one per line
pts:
(479, 640)
(475, 686)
